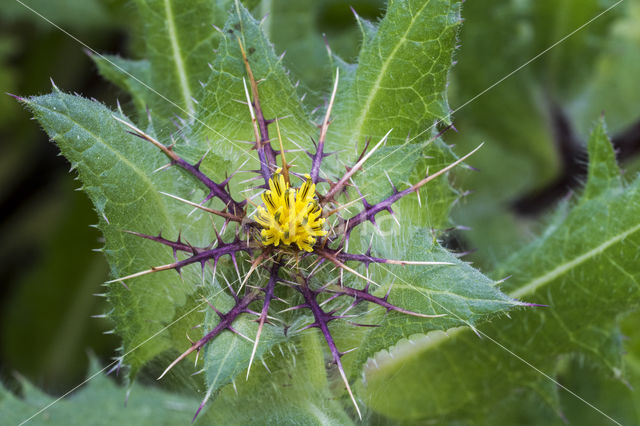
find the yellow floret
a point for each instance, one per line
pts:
(290, 215)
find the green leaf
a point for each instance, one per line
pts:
(569, 65)
(512, 104)
(604, 173)
(461, 293)
(230, 354)
(302, 28)
(101, 401)
(399, 83)
(368, 30)
(583, 262)
(403, 166)
(401, 76)
(292, 29)
(64, 13)
(615, 396)
(105, 156)
(179, 41)
(294, 390)
(131, 76)
(224, 99)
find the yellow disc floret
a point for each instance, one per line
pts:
(290, 215)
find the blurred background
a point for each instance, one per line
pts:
(536, 123)
(49, 273)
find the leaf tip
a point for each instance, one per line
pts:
(18, 98)
(53, 85)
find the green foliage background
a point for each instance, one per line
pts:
(578, 255)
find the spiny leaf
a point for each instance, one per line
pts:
(368, 32)
(603, 173)
(537, 120)
(461, 293)
(224, 100)
(230, 354)
(179, 43)
(402, 166)
(101, 397)
(584, 262)
(131, 76)
(399, 83)
(401, 77)
(106, 156)
(295, 390)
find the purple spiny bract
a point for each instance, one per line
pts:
(300, 235)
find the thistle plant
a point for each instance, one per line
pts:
(286, 235)
(302, 238)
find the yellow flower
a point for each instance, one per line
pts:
(291, 215)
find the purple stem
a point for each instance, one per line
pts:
(227, 319)
(363, 295)
(175, 245)
(266, 154)
(370, 211)
(365, 259)
(215, 189)
(269, 290)
(214, 253)
(316, 161)
(322, 320)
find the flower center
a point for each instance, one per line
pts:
(290, 215)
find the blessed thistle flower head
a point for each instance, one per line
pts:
(291, 220)
(291, 216)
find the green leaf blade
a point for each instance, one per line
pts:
(603, 169)
(180, 40)
(401, 76)
(132, 76)
(584, 262)
(224, 97)
(293, 390)
(463, 295)
(229, 354)
(101, 401)
(106, 155)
